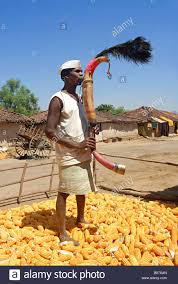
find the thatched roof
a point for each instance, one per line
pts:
(13, 117)
(171, 115)
(41, 117)
(109, 117)
(144, 114)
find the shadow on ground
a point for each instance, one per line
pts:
(168, 194)
(47, 219)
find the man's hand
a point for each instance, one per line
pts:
(96, 129)
(89, 142)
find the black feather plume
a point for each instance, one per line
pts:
(137, 50)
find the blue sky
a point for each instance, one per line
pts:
(33, 44)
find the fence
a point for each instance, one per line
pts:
(23, 180)
(52, 173)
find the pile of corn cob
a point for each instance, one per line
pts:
(3, 152)
(121, 231)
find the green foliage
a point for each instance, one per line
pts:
(118, 110)
(105, 108)
(111, 108)
(16, 97)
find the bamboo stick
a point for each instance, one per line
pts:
(22, 181)
(29, 166)
(51, 178)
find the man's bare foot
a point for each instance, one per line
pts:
(81, 220)
(82, 223)
(65, 238)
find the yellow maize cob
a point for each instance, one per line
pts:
(4, 256)
(141, 246)
(122, 230)
(107, 260)
(9, 225)
(119, 254)
(76, 260)
(150, 241)
(133, 260)
(69, 247)
(27, 234)
(158, 251)
(127, 240)
(174, 236)
(89, 263)
(125, 261)
(175, 211)
(40, 228)
(85, 255)
(97, 238)
(173, 218)
(144, 240)
(167, 242)
(55, 262)
(87, 249)
(167, 262)
(160, 237)
(133, 229)
(155, 261)
(132, 244)
(3, 235)
(146, 258)
(125, 250)
(86, 234)
(45, 253)
(114, 262)
(65, 257)
(137, 253)
(50, 232)
(41, 261)
(14, 262)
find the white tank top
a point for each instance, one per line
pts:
(73, 125)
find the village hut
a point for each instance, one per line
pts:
(111, 126)
(152, 122)
(144, 121)
(10, 122)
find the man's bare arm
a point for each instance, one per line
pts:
(53, 118)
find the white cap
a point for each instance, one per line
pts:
(70, 64)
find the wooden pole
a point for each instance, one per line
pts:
(94, 169)
(21, 183)
(92, 134)
(51, 179)
(29, 166)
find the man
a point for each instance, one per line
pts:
(68, 127)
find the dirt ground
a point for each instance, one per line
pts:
(140, 175)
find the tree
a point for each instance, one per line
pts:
(105, 108)
(16, 97)
(111, 108)
(118, 110)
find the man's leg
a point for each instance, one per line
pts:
(61, 214)
(80, 208)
